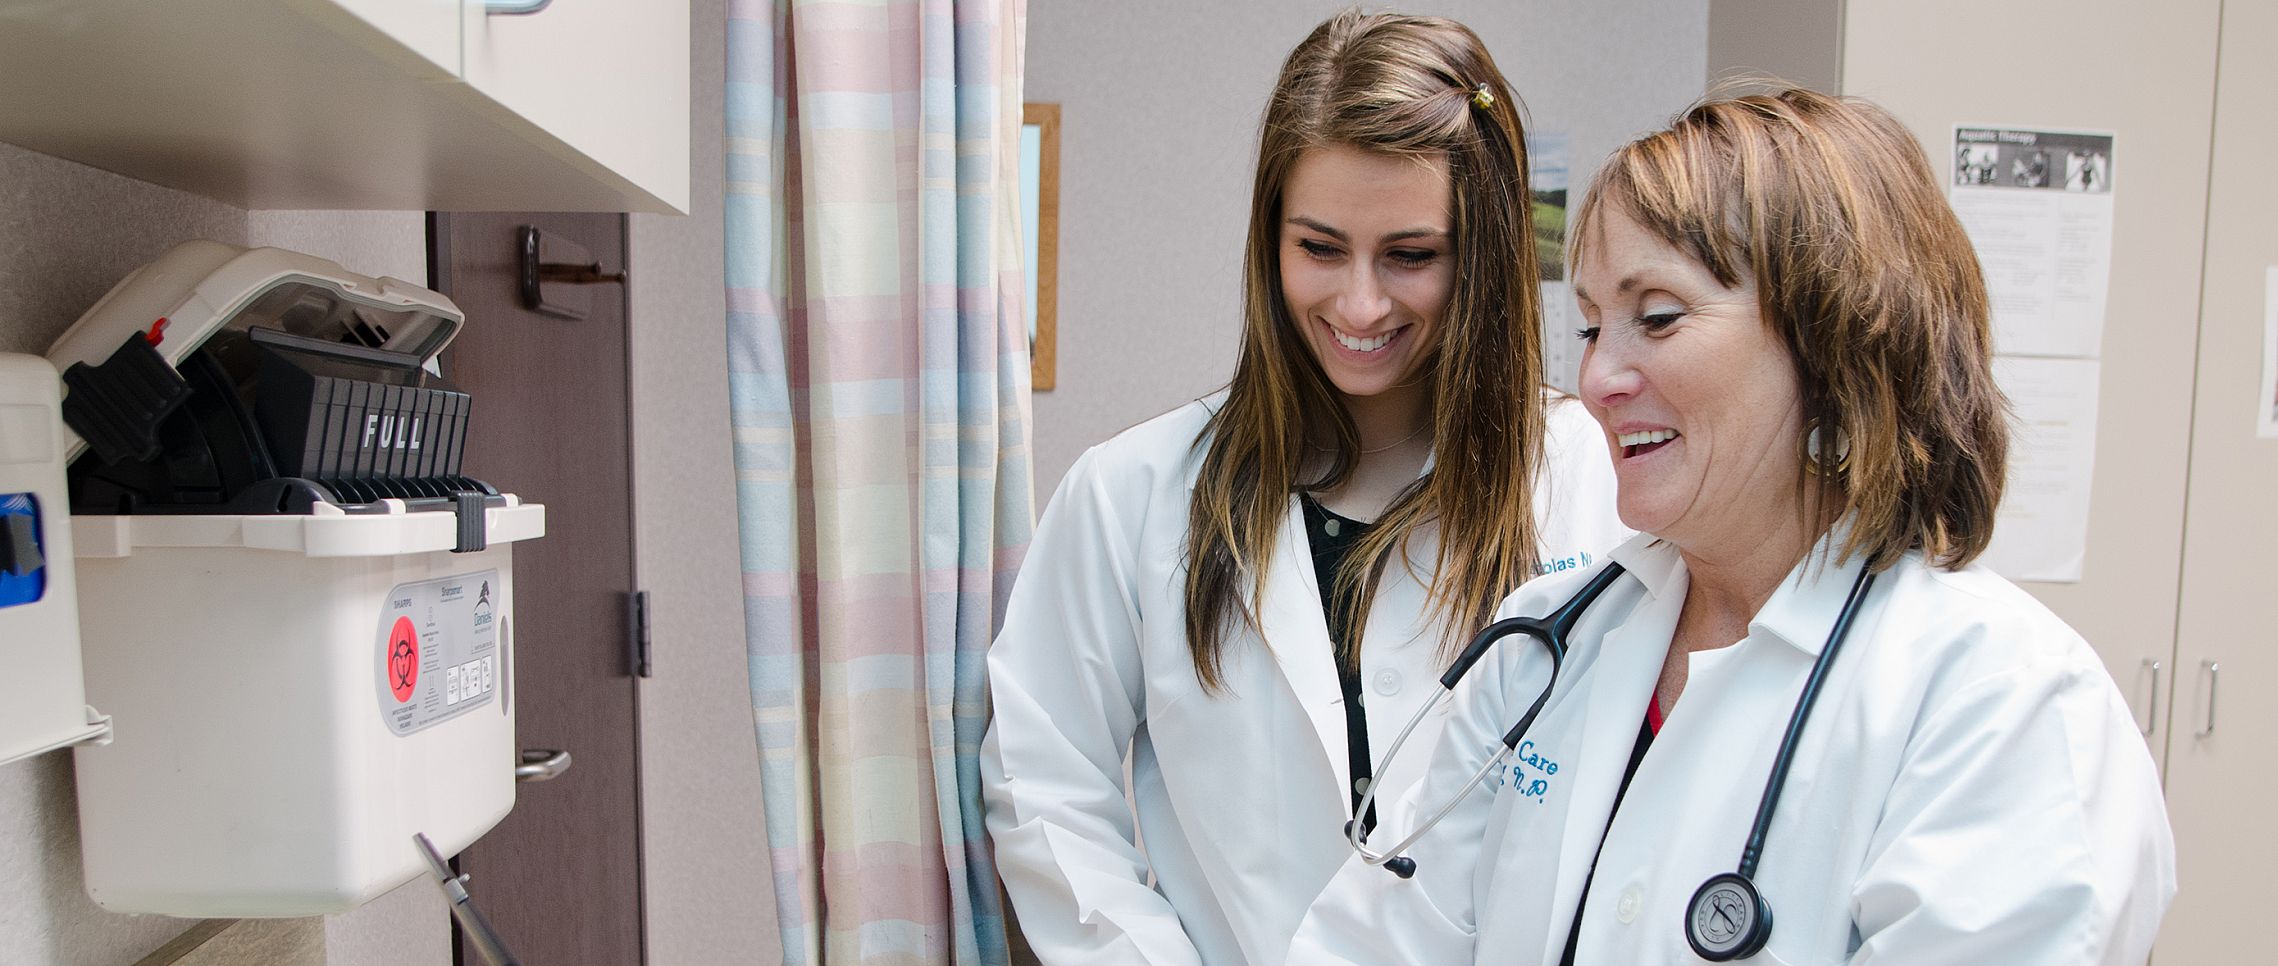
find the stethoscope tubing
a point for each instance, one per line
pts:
(1757, 833)
(1354, 836)
(1551, 632)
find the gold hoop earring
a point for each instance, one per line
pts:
(1816, 459)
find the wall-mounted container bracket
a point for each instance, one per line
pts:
(297, 607)
(45, 704)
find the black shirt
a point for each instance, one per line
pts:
(1332, 538)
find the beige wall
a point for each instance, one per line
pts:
(1799, 41)
(704, 860)
(1160, 106)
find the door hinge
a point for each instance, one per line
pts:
(637, 634)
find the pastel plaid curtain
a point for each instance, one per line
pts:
(879, 370)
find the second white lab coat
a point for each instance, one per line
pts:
(1240, 795)
(1970, 788)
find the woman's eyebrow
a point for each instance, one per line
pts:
(1623, 287)
(1339, 234)
(1335, 233)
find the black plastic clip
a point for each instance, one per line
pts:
(468, 505)
(117, 406)
(20, 545)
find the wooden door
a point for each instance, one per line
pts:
(2222, 745)
(561, 877)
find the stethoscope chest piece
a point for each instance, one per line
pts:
(1727, 919)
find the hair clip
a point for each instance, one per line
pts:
(1482, 98)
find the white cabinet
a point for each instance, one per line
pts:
(429, 27)
(360, 104)
(2177, 594)
(2155, 77)
(2222, 743)
(610, 78)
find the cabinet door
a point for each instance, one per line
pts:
(429, 28)
(2223, 738)
(608, 77)
(2151, 84)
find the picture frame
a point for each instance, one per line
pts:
(1040, 217)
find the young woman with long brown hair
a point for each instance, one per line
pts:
(1238, 603)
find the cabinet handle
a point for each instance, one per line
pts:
(514, 8)
(2151, 716)
(2214, 671)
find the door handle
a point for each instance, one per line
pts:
(2214, 671)
(544, 262)
(2151, 716)
(541, 765)
(514, 8)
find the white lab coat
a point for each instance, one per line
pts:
(1239, 796)
(1970, 788)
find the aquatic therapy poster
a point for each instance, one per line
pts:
(2038, 208)
(2037, 204)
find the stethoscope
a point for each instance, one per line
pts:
(1727, 918)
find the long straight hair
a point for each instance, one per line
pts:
(1423, 88)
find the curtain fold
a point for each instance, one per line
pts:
(879, 371)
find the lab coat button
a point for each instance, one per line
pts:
(1626, 910)
(1388, 682)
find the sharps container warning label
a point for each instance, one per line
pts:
(438, 650)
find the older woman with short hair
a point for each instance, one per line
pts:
(1793, 692)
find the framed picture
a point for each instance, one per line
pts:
(1040, 233)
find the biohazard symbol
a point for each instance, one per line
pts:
(403, 659)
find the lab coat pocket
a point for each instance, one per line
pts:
(1771, 958)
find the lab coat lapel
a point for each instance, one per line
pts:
(1297, 634)
(1621, 679)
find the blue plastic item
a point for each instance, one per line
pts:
(23, 564)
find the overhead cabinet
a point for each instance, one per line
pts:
(443, 105)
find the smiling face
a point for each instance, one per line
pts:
(1367, 264)
(1697, 395)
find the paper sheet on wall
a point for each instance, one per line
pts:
(2266, 413)
(1547, 180)
(1561, 350)
(2041, 530)
(2038, 208)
